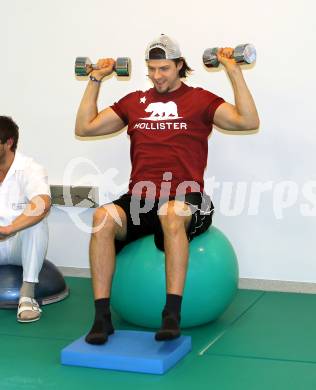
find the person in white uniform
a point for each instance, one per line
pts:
(24, 203)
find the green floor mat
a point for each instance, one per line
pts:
(202, 336)
(262, 341)
(210, 372)
(33, 364)
(279, 326)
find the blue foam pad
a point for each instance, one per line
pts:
(128, 351)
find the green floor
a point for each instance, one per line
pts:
(264, 340)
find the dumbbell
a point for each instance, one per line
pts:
(84, 66)
(245, 54)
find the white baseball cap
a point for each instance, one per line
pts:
(169, 47)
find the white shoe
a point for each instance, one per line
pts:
(30, 305)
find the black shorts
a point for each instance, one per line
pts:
(142, 217)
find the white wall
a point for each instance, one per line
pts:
(40, 40)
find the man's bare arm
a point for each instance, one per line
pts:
(35, 211)
(243, 115)
(90, 122)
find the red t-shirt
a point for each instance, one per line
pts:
(169, 139)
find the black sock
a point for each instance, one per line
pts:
(170, 328)
(102, 307)
(102, 326)
(173, 303)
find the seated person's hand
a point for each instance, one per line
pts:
(5, 232)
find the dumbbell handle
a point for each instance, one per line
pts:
(95, 67)
(245, 53)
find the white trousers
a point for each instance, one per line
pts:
(27, 248)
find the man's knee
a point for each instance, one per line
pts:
(174, 216)
(108, 220)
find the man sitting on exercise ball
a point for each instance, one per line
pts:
(24, 203)
(169, 126)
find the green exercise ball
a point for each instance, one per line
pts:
(139, 292)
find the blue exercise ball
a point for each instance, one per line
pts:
(138, 290)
